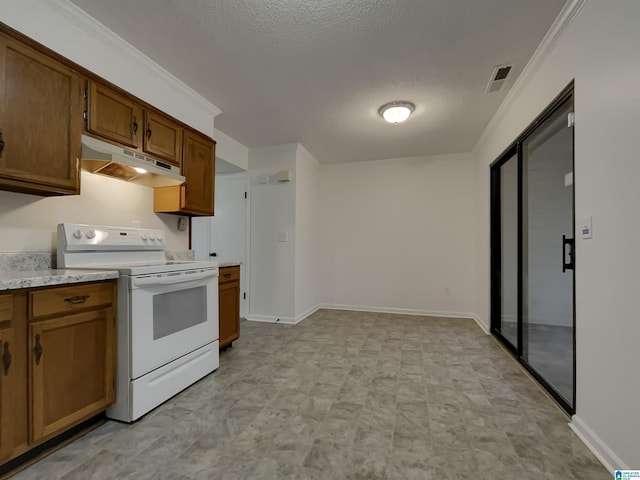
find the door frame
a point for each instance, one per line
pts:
(515, 148)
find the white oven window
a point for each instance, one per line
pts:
(179, 310)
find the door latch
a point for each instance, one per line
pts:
(567, 253)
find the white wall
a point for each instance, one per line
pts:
(600, 50)
(398, 234)
(28, 222)
(273, 211)
(307, 229)
(230, 150)
(63, 27)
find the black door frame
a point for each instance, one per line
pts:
(496, 252)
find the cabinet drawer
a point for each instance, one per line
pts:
(6, 308)
(63, 300)
(229, 274)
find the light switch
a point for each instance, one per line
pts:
(283, 236)
(585, 227)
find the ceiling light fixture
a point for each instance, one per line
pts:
(396, 112)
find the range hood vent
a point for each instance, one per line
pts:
(116, 162)
(498, 78)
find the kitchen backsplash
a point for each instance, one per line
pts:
(180, 255)
(28, 261)
(25, 261)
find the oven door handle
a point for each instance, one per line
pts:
(172, 279)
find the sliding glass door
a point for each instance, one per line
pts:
(533, 250)
(507, 269)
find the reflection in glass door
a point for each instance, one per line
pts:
(507, 261)
(532, 254)
(547, 255)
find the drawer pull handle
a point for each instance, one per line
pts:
(226, 275)
(1, 143)
(6, 358)
(77, 299)
(37, 350)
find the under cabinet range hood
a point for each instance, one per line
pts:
(117, 162)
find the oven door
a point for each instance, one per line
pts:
(172, 314)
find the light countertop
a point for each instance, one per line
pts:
(230, 263)
(14, 279)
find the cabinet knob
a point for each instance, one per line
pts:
(1, 143)
(134, 126)
(149, 132)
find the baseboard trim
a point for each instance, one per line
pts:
(401, 311)
(481, 323)
(597, 446)
(310, 311)
(271, 319)
(284, 320)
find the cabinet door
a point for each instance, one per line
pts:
(72, 370)
(14, 400)
(113, 116)
(162, 138)
(7, 412)
(40, 121)
(199, 170)
(228, 312)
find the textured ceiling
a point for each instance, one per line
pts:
(316, 71)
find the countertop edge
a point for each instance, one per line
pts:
(15, 280)
(233, 263)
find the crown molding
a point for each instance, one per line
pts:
(559, 26)
(97, 30)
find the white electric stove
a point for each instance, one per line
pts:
(167, 317)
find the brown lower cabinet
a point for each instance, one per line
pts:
(228, 305)
(58, 361)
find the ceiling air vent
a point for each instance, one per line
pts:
(498, 78)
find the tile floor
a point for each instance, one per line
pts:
(549, 351)
(344, 395)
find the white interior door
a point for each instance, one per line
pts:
(225, 234)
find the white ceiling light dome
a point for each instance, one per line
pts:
(396, 112)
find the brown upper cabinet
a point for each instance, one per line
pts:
(199, 170)
(113, 116)
(120, 118)
(47, 102)
(162, 138)
(40, 121)
(196, 195)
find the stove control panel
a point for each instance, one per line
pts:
(81, 237)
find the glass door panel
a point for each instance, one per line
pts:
(547, 251)
(508, 325)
